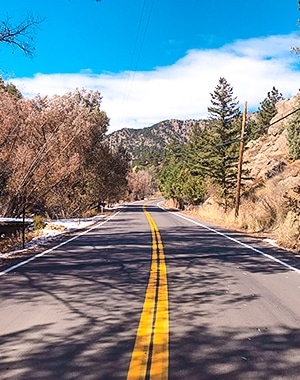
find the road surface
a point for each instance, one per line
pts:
(152, 295)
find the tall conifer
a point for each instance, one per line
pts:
(266, 112)
(224, 131)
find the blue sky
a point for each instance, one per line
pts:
(156, 59)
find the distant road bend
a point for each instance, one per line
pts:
(152, 295)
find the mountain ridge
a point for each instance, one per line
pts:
(138, 142)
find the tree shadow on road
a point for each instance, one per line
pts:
(88, 298)
(206, 353)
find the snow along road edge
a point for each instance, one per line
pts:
(2, 273)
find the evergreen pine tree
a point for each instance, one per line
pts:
(10, 88)
(170, 181)
(266, 112)
(198, 150)
(224, 134)
(176, 180)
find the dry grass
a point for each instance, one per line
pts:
(264, 215)
(171, 204)
(12, 243)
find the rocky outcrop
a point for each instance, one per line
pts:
(267, 157)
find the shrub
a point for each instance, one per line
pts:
(38, 222)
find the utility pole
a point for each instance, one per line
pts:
(240, 166)
(23, 227)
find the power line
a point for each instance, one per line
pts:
(144, 35)
(262, 129)
(282, 118)
(265, 127)
(137, 35)
(133, 66)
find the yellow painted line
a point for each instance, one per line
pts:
(160, 354)
(153, 330)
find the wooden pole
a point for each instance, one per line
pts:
(240, 166)
(23, 227)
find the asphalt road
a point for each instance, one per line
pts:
(149, 291)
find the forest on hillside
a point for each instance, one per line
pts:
(202, 174)
(56, 160)
(209, 169)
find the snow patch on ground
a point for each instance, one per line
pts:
(73, 224)
(15, 220)
(53, 229)
(271, 241)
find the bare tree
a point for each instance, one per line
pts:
(140, 184)
(53, 157)
(21, 34)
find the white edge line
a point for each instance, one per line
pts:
(232, 239)
(2, 273)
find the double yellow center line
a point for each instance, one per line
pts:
(150, 357)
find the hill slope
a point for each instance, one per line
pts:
(270, 206)
(139, 142)
(267, 157)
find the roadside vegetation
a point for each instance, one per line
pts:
(201, 176)
(53, 157)
(55, 160)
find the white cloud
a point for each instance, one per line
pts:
(183, 89)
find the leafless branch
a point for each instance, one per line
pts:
(20, 35)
